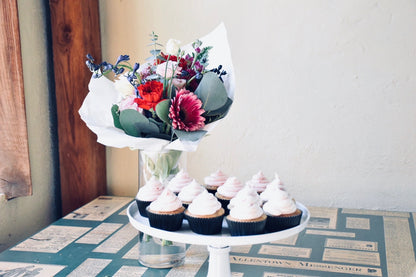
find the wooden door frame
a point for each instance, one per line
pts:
(75, 29)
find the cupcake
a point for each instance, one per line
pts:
(258, 182)
(246, 218)
(246, 194)
(282, 213)
(189, 192)
(178, 182)
(205, 214)
(271, 189)
(213, 181)
(227, 191)
(166, 212)
(148, 193)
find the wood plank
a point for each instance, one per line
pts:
(14, 150)
(76, 32)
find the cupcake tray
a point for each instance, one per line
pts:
(219, 244)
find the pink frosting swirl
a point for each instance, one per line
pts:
(204, 204)
(245, 195)
(230, 187)
(178, 182)
(215, 179)
(258, 182)
(278, 207)
(151, 190)
(277, 182)
(272, 192)
(246, 211)
(166, 202)
(190, 191)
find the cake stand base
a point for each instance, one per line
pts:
(219, 261)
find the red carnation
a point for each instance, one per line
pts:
(182, 62)
(151, 94)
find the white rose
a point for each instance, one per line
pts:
(172, 46)
(124, 87)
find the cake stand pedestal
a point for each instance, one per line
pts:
(219, 244)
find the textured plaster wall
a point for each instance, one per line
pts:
(326, 94)
(24, 216)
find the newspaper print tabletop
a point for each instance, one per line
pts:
(97, 240)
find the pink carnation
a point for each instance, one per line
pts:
(128, 103)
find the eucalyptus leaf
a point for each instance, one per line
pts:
(154, 52)
(129, 119)
(116, 117)
(162, 166)
(221, 111)
(190, 136)
(148, 129)
(173, 157)
(162, 110)
(159, 57)
(212, 92)
(135, 124)
(167, 163)
(150, 164)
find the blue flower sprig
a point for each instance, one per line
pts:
(118, 68)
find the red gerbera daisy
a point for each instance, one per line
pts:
(186, 111)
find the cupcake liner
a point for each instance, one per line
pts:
(211, 190)
(205, 226)
(279, 223)
(224, 204)
(142, 205)
(168, 222)
(240, 228)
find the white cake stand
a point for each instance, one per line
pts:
(219, 244)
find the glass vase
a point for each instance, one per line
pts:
(162, 164)
(159, 253)
(155, 252)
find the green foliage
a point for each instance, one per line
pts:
(221, 111)
(164, 164)
(190, 136)
(162, 110)
(116, 116)
(212, 92)
(137, 125)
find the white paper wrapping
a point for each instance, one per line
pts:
(96, 108)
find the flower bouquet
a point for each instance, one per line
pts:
(169, 102)
(162, 107)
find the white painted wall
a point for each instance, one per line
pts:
(326, 94)
(24, 216)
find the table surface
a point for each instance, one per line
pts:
(97, 240)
